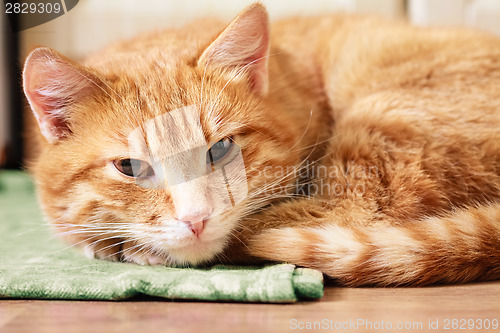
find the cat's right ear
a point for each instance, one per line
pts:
(244, 46)
(52, 83)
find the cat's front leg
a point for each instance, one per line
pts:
(312, 233)
(259, 235)
(331, 249)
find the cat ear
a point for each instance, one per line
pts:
(244, 45)
(52, 83)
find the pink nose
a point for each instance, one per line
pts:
(195, 222)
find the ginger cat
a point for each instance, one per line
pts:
(370, 149)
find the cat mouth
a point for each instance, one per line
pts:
(196, 241)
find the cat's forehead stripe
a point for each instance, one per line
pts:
(174, 132)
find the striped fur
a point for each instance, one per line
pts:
(459, 247)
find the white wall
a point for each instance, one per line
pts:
(481, 14)
(94, 23)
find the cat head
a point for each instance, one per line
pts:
(159, 148)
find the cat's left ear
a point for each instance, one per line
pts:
(52, 85)
(243, 45)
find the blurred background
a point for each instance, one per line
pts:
(92, 24)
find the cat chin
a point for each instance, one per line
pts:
(196, 254)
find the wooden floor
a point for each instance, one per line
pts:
(340, 310)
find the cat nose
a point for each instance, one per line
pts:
(195, 221)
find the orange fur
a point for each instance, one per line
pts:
(405, 120)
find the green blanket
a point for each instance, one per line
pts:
(34, 264)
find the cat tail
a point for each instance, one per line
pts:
(460, 247)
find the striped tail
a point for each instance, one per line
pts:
(460, 247)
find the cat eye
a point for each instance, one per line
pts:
(219, 150)
(134, 168)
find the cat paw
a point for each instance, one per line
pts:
(120, 251)
(106, 250)
(134, 254)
